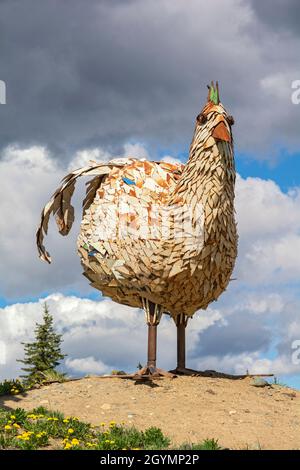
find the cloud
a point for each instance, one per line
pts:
(29, 177)
(87, 365)
(105, 73)
(97, 336)
(101, 336)
(257, 314)
(269, 230)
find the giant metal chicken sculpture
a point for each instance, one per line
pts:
(156, 235)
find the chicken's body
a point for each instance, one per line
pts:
(155, 233)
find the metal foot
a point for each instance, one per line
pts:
(184, 371)
(152, 372)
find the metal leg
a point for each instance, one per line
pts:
(181, 323)
(153, 314)
(181, 345)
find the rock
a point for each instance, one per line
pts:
(44, 402)
(232, 412)
(290, 394)
(209, 390)
(260, 382)
(106, 406)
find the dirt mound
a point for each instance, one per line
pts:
(187, 409)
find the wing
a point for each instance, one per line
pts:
(60, 203)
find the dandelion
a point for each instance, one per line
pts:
(67, 446)
(15, 425)
(112, 424)
(70, 431)
(90, 444)
(7, 427)
(75, 442)
(102, 424)
(66, 420)
(12, 417)
(107, 441)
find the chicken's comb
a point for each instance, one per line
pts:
(213, 93)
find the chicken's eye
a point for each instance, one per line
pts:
(230, 120)
(201, 118)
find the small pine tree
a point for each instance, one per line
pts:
(44, 354)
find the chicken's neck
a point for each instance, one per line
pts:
(208, 180)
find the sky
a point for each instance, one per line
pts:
(112, 78)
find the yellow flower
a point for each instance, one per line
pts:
(75, 442)
(9, 421)
(7, 427)
(107, 441)
(102, 424)
(68, 445)
(112, 424)
(12, 417)
(112, 442)
(70, 431)
(66, 420)
(15, 425)
(135, 448)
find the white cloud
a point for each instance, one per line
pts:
(136, 150)
(87, 365)
(97, 336)
(106, 335)
(269, 231)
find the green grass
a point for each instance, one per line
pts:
(41, 428)
(277, 381)
(12, 387)
(207, 444)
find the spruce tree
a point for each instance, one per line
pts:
(44, 354)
